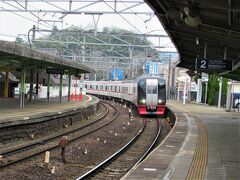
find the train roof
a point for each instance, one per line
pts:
(145, 76)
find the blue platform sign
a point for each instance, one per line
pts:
(152, 68)
(117, 74)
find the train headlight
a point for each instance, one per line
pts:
(160, 101)
(143, 101)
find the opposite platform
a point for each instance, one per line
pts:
(204, 144)
(39, 109)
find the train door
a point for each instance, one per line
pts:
(151, 93)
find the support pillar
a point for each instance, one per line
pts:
(6, 84)
(178, 90)
(184, 91)
(206, 90)
(22, 87)
(220, 81)
(220, 92)
(229, 96)
(60, 88)
(48, 89)
(31, 87)
(37, 83)
(69, 86)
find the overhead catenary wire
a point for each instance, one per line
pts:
(123, 17)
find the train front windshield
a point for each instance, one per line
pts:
(152, 89)
(141, 91)
(162, 90)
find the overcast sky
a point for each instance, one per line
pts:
(13, 25)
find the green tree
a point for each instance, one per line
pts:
(213, 88)
(19, 40)
(73, 35)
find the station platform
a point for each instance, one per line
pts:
(11, 114)
(204, 144)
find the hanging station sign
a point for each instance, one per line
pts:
(213, 65)
(54, 71)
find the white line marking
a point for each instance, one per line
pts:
(170, 146)
(179, 132)
(149, 169)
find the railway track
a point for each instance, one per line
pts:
(23, 153)
(128, 156)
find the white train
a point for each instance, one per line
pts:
(147, 93)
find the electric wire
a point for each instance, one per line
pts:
(123, 17)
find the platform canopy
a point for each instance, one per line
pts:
(197, 25)
(14, 57)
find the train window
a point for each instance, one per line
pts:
(142, 86)
(86, 86)
(151, 89)
(96, 87)
(90, 86)
(161, 82)
(115, 89)
(125, 89)
(141, 83)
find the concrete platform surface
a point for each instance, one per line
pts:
(10, 111)
(204, 144)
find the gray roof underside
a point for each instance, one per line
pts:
(215, 23)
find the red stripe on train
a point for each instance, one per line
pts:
(143, 110)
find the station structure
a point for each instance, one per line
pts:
(20, 63)
(204, 143)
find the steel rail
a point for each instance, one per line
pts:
(57, 145)
(47, 139)
(122, 150)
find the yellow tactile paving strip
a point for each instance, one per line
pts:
(199, 162)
